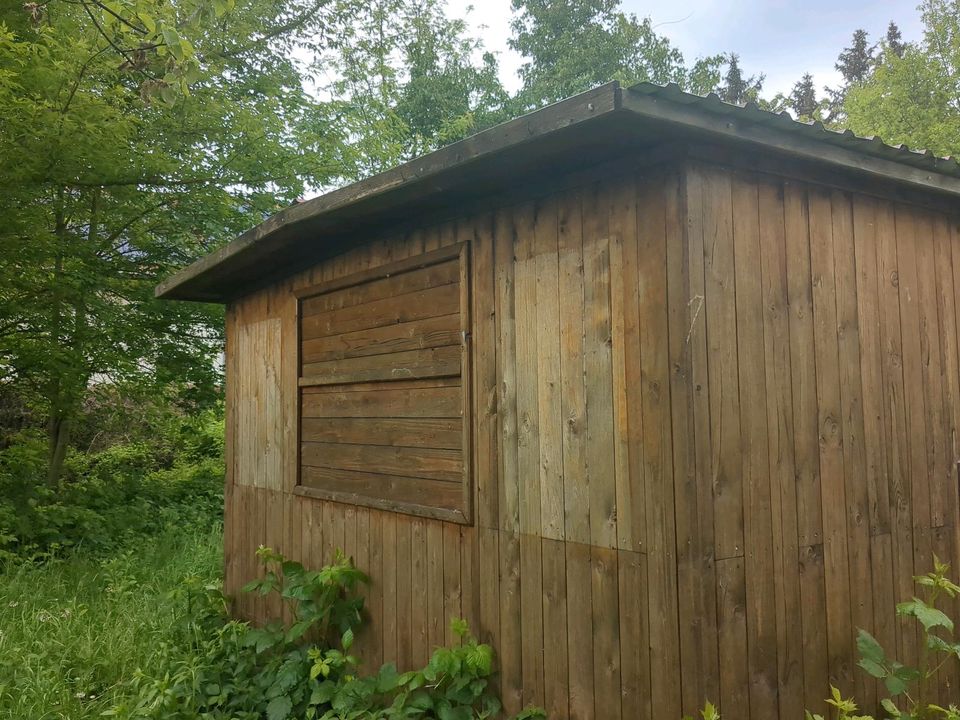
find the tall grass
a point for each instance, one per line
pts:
(72, 631)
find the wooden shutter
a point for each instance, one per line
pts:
(384, 387)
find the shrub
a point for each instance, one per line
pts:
(228, 669)
(109, 497)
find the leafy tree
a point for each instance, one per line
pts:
(736, 88)
(572, 46)
(106, 192)
(803, 98)
(914, 99)
(404, 79)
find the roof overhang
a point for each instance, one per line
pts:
(601, 124)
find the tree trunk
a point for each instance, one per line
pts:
(58, 439)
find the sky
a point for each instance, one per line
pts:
(781, 38)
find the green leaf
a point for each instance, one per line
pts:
(869, 648)
(279, 708)
(148, 22)
(874, 669)
(928, 616)
(347, 640)
(888, 705)
(709, 712)
(297, 630)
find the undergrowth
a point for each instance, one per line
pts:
(305, 670)
(74, 630)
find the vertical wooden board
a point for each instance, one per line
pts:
(405, 594)
(550, 419)
(556, 690)
(313, 539)
(349, 521)
(601, 477)
(510, 652)
(328, 536)
(871, 360)
(813, 605)
(232, 524)
(757, 511)
(658, 211)
(293, 531)
(419, 584)
(470, 578)
(579, 630)
(231, 509)
(436, 631)
(802, 365)
(389, 560)
(576, 493)
(531, 620)
(361, 560)
(854, 457)
(946, 299)
(635, 675)
(830, 421)
(721, 317)
(948, 240)
(484, 345)
(941, 474)
(732, 626)
(528, 411)
(692, 455)
(916, 425)
(625, 349)
(896, 450)
(780, 434)
(273, 538)
(507, 431)
(451, 580)
(489, 590)
(606, 633)
(884, 603)
(375, 594)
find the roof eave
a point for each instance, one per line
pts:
(425, 175)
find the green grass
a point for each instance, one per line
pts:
(72, 631)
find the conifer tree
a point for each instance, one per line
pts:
(736, 88)
(893, 42)
(803, 98)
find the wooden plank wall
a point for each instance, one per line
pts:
(715, 427)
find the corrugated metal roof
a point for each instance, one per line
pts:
(847, 139)
(600, 125)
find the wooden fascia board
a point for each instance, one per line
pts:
(730, 128)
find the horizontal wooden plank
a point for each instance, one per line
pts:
(396, 385)
(432, 302)
(434, 402)
(419, 278)
(444, 433)
(411, 508)
(433, 257)
(416, 335)
(387, 489)
(408, 365)
(410, 462)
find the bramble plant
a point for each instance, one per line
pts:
(305, 671)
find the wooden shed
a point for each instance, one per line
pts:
(660, 394)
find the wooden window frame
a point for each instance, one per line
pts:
(461, 253)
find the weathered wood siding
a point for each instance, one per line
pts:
(714, 431)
